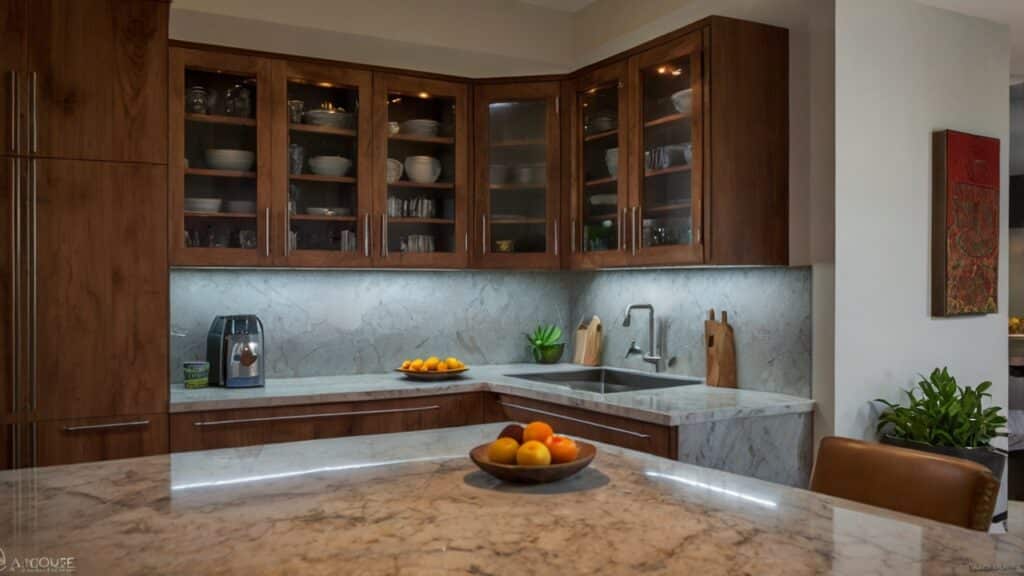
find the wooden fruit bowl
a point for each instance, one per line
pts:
(432, 376)
(533, 474)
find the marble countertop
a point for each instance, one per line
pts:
(413, 503)
(670, 406)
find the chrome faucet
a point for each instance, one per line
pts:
(654, 356)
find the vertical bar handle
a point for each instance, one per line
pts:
(483, 233)
(266, 228)
(572, 236)
(34, 267)
(633, 226)
(35, 124)
(12, 97)
(556, 236)
(384, 234)
(366, 234)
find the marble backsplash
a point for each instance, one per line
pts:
(769, 309)
(323, 323)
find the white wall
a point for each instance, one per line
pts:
(902, 71)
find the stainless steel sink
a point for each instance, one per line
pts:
(607, 380)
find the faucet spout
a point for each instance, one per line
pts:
(654, 354)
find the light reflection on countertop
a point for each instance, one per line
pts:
(668, 406)
(414, 503)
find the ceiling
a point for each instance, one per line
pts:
(1005, 11)
(570, 6)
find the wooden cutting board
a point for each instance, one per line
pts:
(721, 351)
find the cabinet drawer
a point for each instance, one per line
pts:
(246, 427)
(633, 434)
(90, 439)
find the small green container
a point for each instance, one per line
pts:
(197, 375)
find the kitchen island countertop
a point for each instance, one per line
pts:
(413, 503)
(669, 406)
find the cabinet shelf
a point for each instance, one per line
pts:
(411, 184)
(424, 139)
(600, 135)
(218, 173)
(224, 215)
(666, 120)
(515, 221)
(666, 208)
(314, 129)
(600, 181)
(419, 221)
(519, 143)
(669, 170)
(220, 119)
(604, 216)
(518, 186)
(320, 218)
(319, 178)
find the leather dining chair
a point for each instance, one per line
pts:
(943, 488)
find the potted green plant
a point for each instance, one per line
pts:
(944, 418)
(546, 345)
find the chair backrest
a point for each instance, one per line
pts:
(943, 488)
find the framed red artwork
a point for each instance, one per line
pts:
(965, 224)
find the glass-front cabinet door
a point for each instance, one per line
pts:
(600, 174)
(517, 182)
(667, 198)
(219, 146)
(421, 172)
(322, 164)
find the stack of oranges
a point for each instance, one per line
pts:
(433, 364)
(535, 445)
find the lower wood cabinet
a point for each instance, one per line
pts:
(90, 439)
(657, 439)
(249, 426)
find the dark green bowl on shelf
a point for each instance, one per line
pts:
(549, 354)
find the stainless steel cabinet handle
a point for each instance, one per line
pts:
(556, 236)
(34, 294)
(15, 337)
(384, 234)
(572, 236)
(466, 241)
(266, 228)
(366, 234)
(35, 445)
(622, 230)
(13, 98)
(14, 445)
(633, 229)
(698, 235)
(483, 233)
(312, 416)
(287, 232)
(112, 425)
(578, 420)
(35, 123)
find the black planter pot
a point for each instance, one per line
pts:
(991, 458)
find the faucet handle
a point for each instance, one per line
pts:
(633, 349)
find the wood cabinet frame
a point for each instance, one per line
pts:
(384, 84)
(282, 72)
(231, 63)
(484, 95)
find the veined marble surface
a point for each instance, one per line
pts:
(669, 406)
(413, 503)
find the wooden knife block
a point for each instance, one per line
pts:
(721, 351)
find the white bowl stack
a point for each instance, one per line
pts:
(421, 127)
(329, 165)
(203, 204)
(230, 159)
(423, 169)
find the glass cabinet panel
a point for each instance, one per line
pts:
(517, 177)
(599, 162)
(322, 159)
(220, 144)
(669, 132)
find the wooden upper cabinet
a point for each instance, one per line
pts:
(322, 164)
(95, 82)
(99, 319)
(599, 182)
(13, 24)
(421, 171)
(666, 154)
(220, 163)
(517, 163)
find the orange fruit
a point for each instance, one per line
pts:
(405, 365)
(416, 365)
(532, 453)
(503, 451)
(442, 367)
(562, 449)
(432, 362)
(538, 431)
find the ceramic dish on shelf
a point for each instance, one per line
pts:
(328, 211)
(420, 127)
(329, 165)
(230, 159)
(423, 169)
(602, 122)
(432, 376)
(604, 199)
(336, 118)
(203, 204)
(534, 474)
(393, 128)
(682, 100)
(395, 169)
(241, 206)
(611, 160)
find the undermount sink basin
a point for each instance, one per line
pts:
(607, 380)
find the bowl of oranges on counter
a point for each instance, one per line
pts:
(433, 368)
(532, 455)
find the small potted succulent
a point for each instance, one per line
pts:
(546, 345)
(944, 418)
